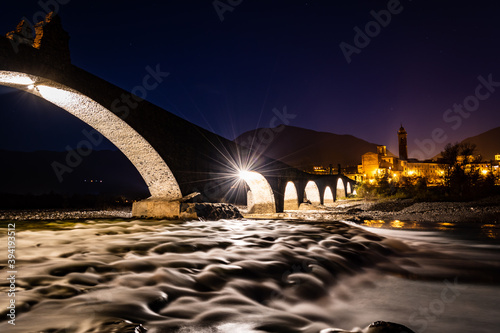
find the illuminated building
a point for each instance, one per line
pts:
(376, 165)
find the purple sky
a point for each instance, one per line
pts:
(228, 75)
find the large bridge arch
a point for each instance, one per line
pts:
(153, 169)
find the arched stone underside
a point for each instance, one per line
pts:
(340, 189)
(349, 188)
(260, 200)
(328, 197)
(153, 169)
(291, 201)
(311, 193)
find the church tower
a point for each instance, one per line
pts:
(403, 146)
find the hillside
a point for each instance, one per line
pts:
(102, 172)
(304, 148)
(487, 143)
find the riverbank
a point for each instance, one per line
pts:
(485, 210)
(65, 214)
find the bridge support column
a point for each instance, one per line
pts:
(157, 208)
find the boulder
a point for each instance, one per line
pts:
(210, 211)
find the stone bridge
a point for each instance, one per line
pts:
(174, 156)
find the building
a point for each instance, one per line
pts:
(403, 143)
(376, 165)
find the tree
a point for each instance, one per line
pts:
(461, 176)
(384, 187)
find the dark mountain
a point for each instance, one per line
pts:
(304, 148)
(487, 143)
(102, 172)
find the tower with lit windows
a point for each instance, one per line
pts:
(403, 145)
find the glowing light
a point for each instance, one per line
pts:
(56, 95)
(247, 175)
(397, 224)
(374, 223)
(484, 171)
(15, 78)
(490, 230)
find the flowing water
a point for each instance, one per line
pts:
(249, 276)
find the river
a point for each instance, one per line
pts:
(250, 276)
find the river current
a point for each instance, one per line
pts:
(247, 276)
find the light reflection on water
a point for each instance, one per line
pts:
(471, 230)
(243, 276)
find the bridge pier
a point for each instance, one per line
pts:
(157, 208)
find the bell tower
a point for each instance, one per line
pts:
(403, 145)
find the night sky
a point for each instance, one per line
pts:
(228, 75)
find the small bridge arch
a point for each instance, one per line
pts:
(291, 198)
(328, 198)
(260, 197)
(340, 189)
(311, 193)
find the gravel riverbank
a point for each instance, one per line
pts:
(65, 214)
(486, 210)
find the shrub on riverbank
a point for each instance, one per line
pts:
(419, 190)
